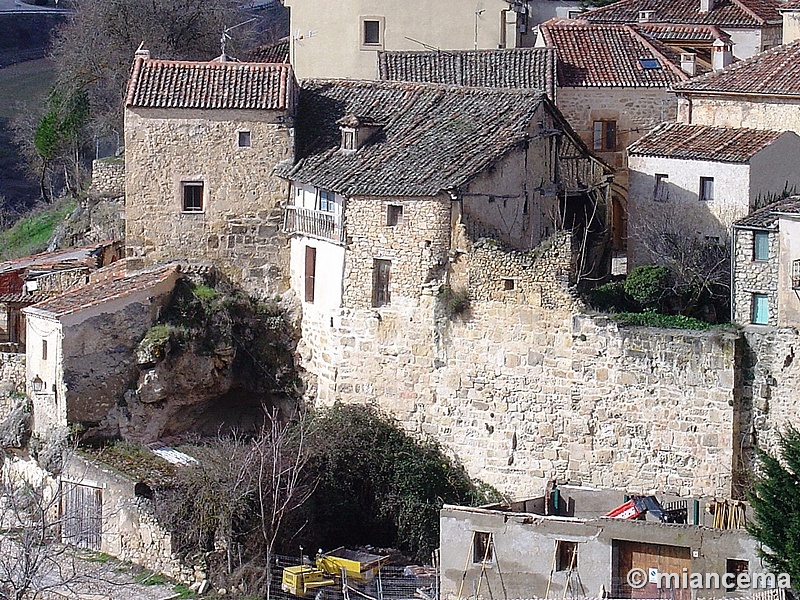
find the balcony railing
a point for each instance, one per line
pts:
(323, 225)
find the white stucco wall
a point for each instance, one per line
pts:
(327, 35)
(329, 272)
(789, 244)
(49, 405)
(746, 42)
(683, 211)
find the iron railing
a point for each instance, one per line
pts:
(316, 223)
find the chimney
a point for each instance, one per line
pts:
(689, 63)
(646, 16)
(791, 23)
(706, 6)
(721, 55)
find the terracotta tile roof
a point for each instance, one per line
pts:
(519, 68)
(270, 53)
(673, 32)
(69, 258)
(434, 137)
(21, 298)
(768, 216)
(726, 13)
(774, 72)
(210, 85)
(94, 294)
(591, 55)
(701, 142)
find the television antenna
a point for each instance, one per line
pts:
(223, 40)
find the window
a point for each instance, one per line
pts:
(311, 272)
(371, 32)
(381, 275)
(348, 139)
(574, 14)
(605, 135)
(566, 555)
(394, 215)
(192, 196)
(482, 547)
(326, 201)
(706, 189)
(509, 284)
(244, 139)
(735, 566)
(760, 309)
(796, 274)
(649, 63)
(760, 245)
(44, 349)
(661, 189)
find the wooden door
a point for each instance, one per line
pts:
(311, 272)
(649, 557)
(81, 515)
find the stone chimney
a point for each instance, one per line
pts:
(706, 6)
(689, 63)
(791, 22)
(721, 55)
(646, 16)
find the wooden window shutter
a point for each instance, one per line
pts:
(311, 270)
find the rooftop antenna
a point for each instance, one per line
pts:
(478, 13)
(223, 39)
(427, 46)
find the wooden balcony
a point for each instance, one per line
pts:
(314, 223)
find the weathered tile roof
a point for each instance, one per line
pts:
(675, 32)
(726, 13)
(596, 55)
(702, 142)
(774, 72)
(434, 137)
(270, 53)
(768, 216)
(94, 294)
(69, 258)
(518, 68)
(210, 85)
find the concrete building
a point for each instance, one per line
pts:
(753, 25)
(696, 180)
(758, 93)
(201, 141)
(342, 39)
(528, 552)
(80, 344)
(766, 266)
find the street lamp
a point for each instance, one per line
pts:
(37, 384)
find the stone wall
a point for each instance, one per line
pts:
(753, 276)
(745, 111)
(59, 281)
(524, 392)
(239, 227)
(108, 177)
(12, 381)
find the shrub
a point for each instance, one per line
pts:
(648, 285)
(610, 297)
(653, 319)
(456, 301)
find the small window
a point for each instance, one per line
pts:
(760, 245)
(649, 63)
(760, 309)
(192, 196)
(348, 139)
(44, 349)
(326, 201)
(566, 556)
(381, 276)
(371, 31)
(394, 215)
(574, 14)
(509, 284)
(244, 139)
(605, 135)
(482, 547)
(661, 189)
(735, 566)
(311, 273)
(796, 274)
(706, 189)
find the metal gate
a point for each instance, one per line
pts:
(81, 515)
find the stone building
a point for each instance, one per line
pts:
(696, 180)
(753, 25)
(766, 266)
(201, 141)
(79, 354)
(527, 551)
(613, 86)
(341, 39)
(759, 93)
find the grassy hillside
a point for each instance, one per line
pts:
(31, 234)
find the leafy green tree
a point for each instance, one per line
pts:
(776, 503)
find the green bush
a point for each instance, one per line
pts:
(456, 301)
(609, 297)
(648, 285)
(653, 319)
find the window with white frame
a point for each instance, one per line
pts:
(326, 201)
